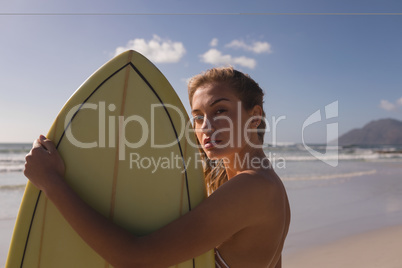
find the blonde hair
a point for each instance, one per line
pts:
(249, 93)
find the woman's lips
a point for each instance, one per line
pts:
(209, 144)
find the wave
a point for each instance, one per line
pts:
(280, 144)
(11, 161)
(331, 176)
(345, 157)
(14, 151)
(11, 169)
(299, 152)
(12, 165)
(12, 187)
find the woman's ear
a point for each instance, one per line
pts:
(256, 113)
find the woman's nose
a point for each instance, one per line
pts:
(206, 126)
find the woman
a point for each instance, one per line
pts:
(245, 218)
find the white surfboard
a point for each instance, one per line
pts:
(111, 134)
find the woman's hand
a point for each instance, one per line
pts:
(44, 164)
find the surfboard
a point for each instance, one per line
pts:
(129, 153)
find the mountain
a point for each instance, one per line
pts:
(378, 132)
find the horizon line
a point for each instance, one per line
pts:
(199, 14)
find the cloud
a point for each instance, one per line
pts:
(157, 50)
(186, 80)
(391, 106)
(386, 105)
(215, 57)
(214, 42)
(256, 47)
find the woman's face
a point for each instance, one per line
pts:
(219, 120)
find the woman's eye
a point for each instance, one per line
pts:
(220, 111)
(198, 119)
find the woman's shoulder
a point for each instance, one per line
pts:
(262, 189)
(257, 181)
(266, 198)
(260, 198)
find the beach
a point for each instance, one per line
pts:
(373, 249)
(6, 230)
(344, 216)
(349, 221)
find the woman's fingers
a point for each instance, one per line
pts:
(43, 163)
(47, 144)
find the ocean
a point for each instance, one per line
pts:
(348, 190)
(296, 166)
(12, 180)
(330, 162)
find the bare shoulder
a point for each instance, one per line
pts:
(259, 191)
(265, 183)
(260, 198)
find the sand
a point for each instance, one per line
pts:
(376, 249)
(347, 222)
(6, 231)
(380, 248)
(337, 222)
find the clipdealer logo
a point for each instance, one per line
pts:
(330, 157)
(147, 129)
(114, 135)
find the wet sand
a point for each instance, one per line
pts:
(341, 221)
(6, 231)
(374, 249)
(347, 221)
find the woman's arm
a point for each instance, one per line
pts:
(235, 206)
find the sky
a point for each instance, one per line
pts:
(306, 55)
